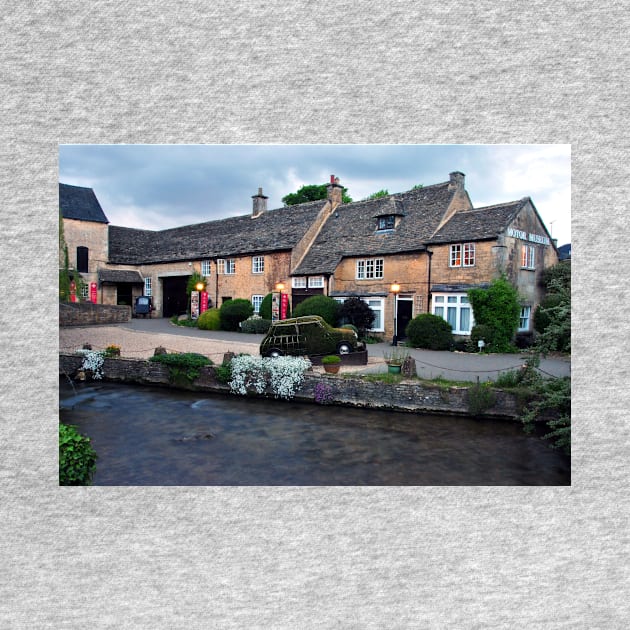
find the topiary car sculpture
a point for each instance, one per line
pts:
(308, 335)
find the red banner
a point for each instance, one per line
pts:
(284, 305)
(204, 301)
(93, 297)
(73, 291)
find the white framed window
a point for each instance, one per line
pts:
(256, 302)
(462, 255)
(258, 264)
(298, 283)
(85, 291)
(316, 282)
(369, 269)
(226, 266)
(205, 268)
(455, 309)
(378, 308)
(528, 257)
(386, 223)
(147, 286)
(525, 317)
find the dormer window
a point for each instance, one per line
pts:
(386, 222)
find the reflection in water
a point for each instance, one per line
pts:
(152, 436)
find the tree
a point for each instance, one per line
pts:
(377, 195)
(356, 312)
(552, 318)
(312, 192)
(498, 308)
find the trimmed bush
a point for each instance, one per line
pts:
(233, 312)
(481, 332)
(265, 307)
(209, 320)
(77, 459)
(430, 332)
(321, 305)
(255, 325)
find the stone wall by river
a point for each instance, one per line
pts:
(408, 395)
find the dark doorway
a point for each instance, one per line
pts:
(174, 297)
(123, 293)
(404, 313)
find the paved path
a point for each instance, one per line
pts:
(139, 338)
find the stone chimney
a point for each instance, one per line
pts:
(260, 204)
(456, 180)
(335, 192)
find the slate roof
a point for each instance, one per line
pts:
(351, 231)
(77, 202)
(479, 223)
(120, 275)
(274, 230)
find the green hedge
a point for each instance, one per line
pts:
(256, 326)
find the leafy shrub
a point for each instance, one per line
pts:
(480, 398)
(358, 313)
(77, 458)
(233, 312)
(223, 372)
(429, 331)
(209, 320)
(553, 399)
(321, 305)
(497, 307)
(112, 351)
(481, 332)
(255, 325)
(183, 367)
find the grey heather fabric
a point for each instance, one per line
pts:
(313, 72)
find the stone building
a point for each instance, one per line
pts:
(430, 241)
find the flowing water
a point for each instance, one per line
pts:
(147, 436)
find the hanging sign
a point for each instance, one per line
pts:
(275, 307)
(284, 305)
(194, 304)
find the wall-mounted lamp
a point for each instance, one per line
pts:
(395, 289)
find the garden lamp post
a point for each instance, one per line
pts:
(395, 288)
(276, 304)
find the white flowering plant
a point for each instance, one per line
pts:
(283, 375)
(93, 362)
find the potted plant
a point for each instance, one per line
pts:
(331, 363)
(395, 359)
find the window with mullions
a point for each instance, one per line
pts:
(258, 264)
(528, 257)
(455, 309)
(256, 302)
(462, 255)
(386, 223)
(299, 282)
(526, 312)
(316, 282)
(226, 266)
(205, 268)
(147, 286)
(369, 269)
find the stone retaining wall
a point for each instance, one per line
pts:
(412, 396)
(88, 314)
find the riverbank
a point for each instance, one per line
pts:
(409, 395)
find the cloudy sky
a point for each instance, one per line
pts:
(163, 186)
